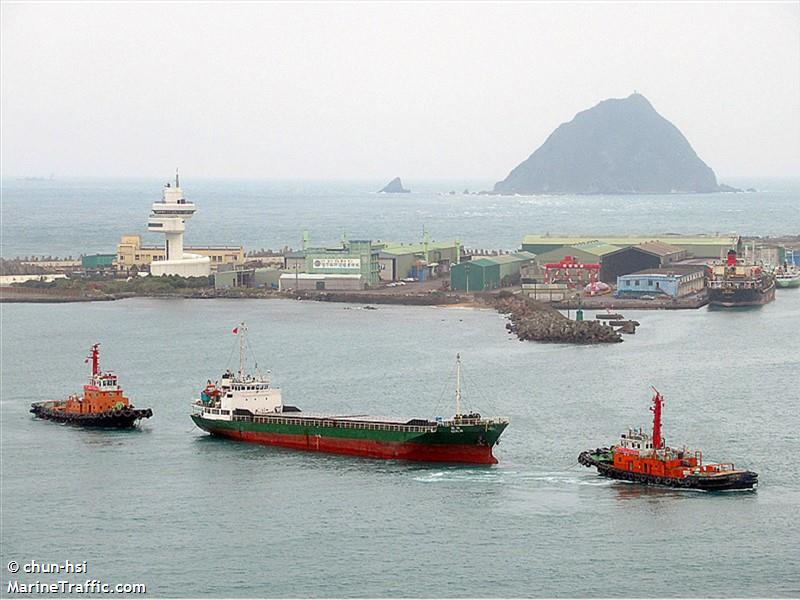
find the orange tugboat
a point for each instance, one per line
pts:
(642, 458)
(102, 404)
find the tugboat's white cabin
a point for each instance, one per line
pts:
(105, 382)
(636, 440)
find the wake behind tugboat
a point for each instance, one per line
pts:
(102, 404)
(643, 459)
(248, 407)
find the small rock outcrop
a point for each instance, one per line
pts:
(534, 321)
(395, 186)
(620, 146)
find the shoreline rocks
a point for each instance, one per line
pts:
(531, 320)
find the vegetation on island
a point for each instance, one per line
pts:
(133, 286)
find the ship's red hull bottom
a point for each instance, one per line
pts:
(448, 453)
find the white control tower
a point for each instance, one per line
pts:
(169, 217)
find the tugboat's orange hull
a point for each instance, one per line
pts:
(708, 481)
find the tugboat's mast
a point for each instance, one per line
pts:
(95, 356)
(458, 385)
(658, 401)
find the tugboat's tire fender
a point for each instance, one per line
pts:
(658, 481)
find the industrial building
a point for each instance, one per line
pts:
(419, 261)
(261, 277)
(97, 262)
(353, 258)
(489, 272)
(674, 281)
(591, 252)
(321, 281)
(648, 255)
(131, 253)
(376, 262)
(697, 246)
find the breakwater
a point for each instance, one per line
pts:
(531, 320)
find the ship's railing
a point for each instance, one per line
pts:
(727, 283)
(314, 422)
(472, 421)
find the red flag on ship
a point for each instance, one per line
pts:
(235, 330)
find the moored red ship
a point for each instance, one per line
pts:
(737, 284)
(642, 458)
(248, 407)
(103, 403)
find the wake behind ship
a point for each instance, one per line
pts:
(248, 407)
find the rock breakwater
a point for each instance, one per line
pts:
(530, 320)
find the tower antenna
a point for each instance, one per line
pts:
(177, 184)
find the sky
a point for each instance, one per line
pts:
(378, 90)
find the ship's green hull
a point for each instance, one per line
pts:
(469, 443)
(788, 283)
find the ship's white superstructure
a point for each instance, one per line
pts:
(169, 217)
(252, 393)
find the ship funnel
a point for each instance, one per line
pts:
(731, 258)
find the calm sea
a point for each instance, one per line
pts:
(74, 216)
(188, 515)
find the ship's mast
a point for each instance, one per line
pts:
(458, 385)
(242, 330)
(658, 401)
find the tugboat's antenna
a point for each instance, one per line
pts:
(176, 178)
(458, 385)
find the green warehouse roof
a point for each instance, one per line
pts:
(504, 259)
(596, 247)
(481, 262)
(390, 248)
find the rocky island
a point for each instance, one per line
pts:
(620, 146)
(395, 186)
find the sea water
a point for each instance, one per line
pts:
(70, 217)
(189, 515)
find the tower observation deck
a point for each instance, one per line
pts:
(169, 217)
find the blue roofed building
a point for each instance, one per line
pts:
(675, 282)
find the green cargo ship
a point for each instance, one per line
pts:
(249, 408)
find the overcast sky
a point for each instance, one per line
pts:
(350, 90)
